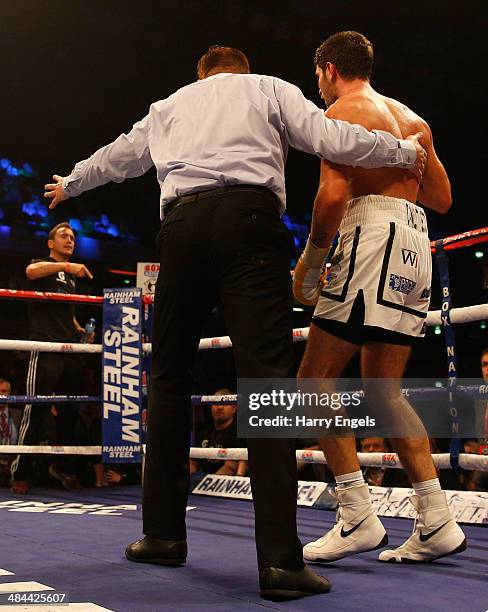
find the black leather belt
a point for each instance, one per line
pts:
(211, 193)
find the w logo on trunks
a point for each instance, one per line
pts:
(410, 257)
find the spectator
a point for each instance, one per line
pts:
(8, 432)
(49, 373)
(88, 432)
(477, 480)
(484, 364)
(123, 474)
(381, 477)
(222, 433)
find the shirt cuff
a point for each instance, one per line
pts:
(69, 186)
(407, 154)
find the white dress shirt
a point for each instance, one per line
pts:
(232, 129)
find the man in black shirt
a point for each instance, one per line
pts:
(221, 433)
(49, 373)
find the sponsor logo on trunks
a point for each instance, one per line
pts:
(333, 274)
(425, 295)
(336, 258)
(401, 284)
(416, 218)
(410, 257)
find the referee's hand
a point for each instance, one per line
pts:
(421, 160)
(55, 191)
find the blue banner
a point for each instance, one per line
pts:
(121, 375)
(450, 341)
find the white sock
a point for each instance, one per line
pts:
(346, 481)
(426, 487)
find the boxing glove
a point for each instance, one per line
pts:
(310, 273)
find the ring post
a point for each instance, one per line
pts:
(450, 341)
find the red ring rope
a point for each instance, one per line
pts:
(458, 241)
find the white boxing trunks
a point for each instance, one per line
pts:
(381, 272)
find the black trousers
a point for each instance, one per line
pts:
(49, 373)
(227, 245)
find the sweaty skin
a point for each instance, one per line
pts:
(338, 184)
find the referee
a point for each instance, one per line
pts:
(219, 146)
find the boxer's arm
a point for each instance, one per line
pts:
(435, 188)
(330, 203)
(309, 130)
(332, 194)
(328, 210)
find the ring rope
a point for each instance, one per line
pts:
(467, 314)
(441, 460)
(47, 399)
(16, 449)
(414, 394)
(460, 241)
(457, 241)
(375, 460)
(46, 295)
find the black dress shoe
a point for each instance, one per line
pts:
(279, 584)
(159, 552)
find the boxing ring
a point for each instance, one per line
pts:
(74, 541)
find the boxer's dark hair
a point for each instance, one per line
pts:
(57, 227)
(222, 57)
(484, 351)
(350, 52)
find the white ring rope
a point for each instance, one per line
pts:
(467, 314)
(16, 449)
(441, 460)
(381, 460)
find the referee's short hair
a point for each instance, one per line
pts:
(222, 57)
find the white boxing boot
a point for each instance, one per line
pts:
(357, 529)
(435, 533)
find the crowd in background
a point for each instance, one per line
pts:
(213, 427)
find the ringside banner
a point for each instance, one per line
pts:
(239, 487)
(121, 375)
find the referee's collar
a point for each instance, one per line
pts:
(220, 74)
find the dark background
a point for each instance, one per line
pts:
(76, 74)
